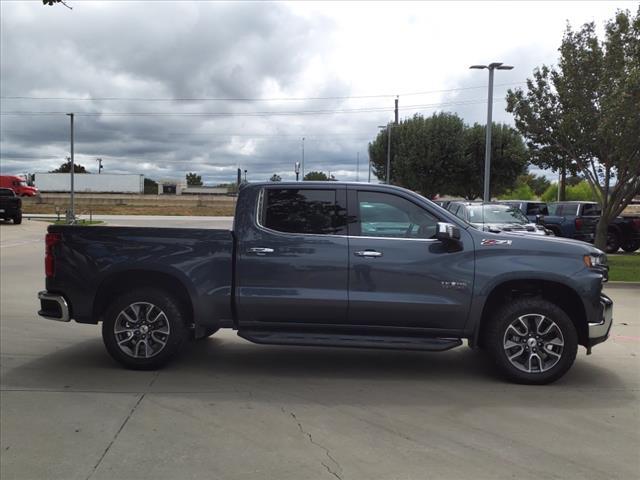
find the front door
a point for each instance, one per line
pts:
(400, 275)
(292, 263)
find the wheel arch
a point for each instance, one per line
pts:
(562, 295)
(127, 280)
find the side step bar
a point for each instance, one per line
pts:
(353, 341)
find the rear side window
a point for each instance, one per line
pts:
(293, 210)
(537, 209)
(591, 210)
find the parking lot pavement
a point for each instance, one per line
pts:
(233, 410)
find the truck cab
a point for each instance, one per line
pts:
(18, 185)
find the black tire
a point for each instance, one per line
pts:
(631, 246)
(613, 242)
(173, 329)
(17, 220)
(529, 309)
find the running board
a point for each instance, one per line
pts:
(353, 341)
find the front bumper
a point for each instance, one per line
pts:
(599, 332)
(53, 307)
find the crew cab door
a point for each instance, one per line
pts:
(400, 275)
(292, 257)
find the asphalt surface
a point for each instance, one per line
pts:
(228, 409)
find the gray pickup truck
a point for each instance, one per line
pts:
(333, 264)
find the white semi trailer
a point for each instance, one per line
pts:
(90, 182)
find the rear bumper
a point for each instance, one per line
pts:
(53, 307)
(599, 332)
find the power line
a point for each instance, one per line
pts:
(245, 114)
(240, 99)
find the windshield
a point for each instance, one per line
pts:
(496, 214)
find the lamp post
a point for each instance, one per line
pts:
(71, 214)
(388, 127)
(303, 158)
(487, 148)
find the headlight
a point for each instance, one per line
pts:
(593, 260)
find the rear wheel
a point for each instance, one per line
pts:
(631, 246)
(144, 329)
(613, 242)
(532, 341)
(18, 218)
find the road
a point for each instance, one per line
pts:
(228, 409)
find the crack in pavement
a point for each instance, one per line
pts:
(106, 450)
(333, 472)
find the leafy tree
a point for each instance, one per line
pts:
(508, 162)
(423, 152)
(537, 183)
(150, 186)
(275, 178)
(321, 176)
(53, 2)
(586, 112)
(578, 192)
(66, 168)
(194, 180)
(440, 154)
(520, 192)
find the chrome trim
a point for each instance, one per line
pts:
(601, 329)
(333, 235)
(60, 300)
(368, 253)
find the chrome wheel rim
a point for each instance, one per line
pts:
(141, 330)
(533, 343)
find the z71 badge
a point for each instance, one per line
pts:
(490, 242)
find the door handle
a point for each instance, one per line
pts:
(368, 254)
(260, 250)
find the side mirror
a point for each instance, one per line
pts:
(447, 232)
(539, 219)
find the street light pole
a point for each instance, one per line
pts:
(72, 211)
(303, 158)
(388, 153)
(487, 144)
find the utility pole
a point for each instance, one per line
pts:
(388, 153)
(369, 179)
(396, 110)
(71, 214)
(357, 166)
(487, 148)
(99, 160)
(303, 158)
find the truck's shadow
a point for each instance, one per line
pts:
(323, 375)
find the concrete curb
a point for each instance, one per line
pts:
(622, 285)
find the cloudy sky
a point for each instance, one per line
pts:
(163, 88)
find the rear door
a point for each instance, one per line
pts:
(400, 275)
(292, 264)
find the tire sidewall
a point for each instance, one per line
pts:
(532, 306)
(17, 220)
(175, 317)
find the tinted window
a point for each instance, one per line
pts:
(5, 192)
(461, 213)
(302, 211)
(385, 215)
(496, 214)
(591, 209)
(563, 209)
(537, 209)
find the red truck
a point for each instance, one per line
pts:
(18, 185)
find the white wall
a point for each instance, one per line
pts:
(90, 182)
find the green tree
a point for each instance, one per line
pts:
(66, 168)
(53, 2)
(194, 180)
(520, 192)
(586, 112)
(537, 183)
(508, 162)
(424, 152)
(321, 176)
(275, 178)
(150, 186)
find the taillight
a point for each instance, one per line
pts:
(579, 223)
(636, 223)
(50, 241)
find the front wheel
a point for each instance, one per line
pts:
(17, 220)
(631, 246)
(144, 329)
(532, 341)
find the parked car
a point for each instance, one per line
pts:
(333, 264)
(10, 206)
(18, 185)
(579, 219)
(495, 217)
(575, 220)
(533, 210)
